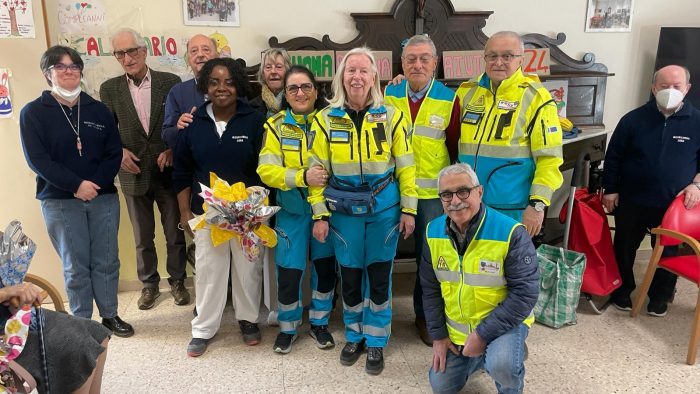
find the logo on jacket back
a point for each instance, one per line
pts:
(442, 264)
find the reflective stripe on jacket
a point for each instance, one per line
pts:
(427, 133)
(512, 139)
(284, 158)
(472, 284)
(379, 149)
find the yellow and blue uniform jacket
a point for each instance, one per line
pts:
(379, 150)
(490, 284)
(512, 139)
(285, 157)
(427, 133)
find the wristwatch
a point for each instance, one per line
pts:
(538, 205)
(697, 184)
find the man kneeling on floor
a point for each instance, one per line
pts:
(480, 283)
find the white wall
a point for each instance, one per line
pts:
(629, 55)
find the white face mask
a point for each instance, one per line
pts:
(669, 98)
(68, 95)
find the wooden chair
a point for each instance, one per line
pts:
(679, 225)
(50, 289)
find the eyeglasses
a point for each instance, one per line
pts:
(507, 58)
(130, 51)
(462, 193)
(60, 67)
(424, 59)
(305, 87)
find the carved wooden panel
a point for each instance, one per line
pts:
(451, 31)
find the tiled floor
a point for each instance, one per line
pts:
(610, 353)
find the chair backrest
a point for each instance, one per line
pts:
(677, 218)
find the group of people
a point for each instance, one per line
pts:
(351, 173)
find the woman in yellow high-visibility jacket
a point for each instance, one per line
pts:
(284, 165)
(370, 198)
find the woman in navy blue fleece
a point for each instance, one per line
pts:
(72, 143)
(225, 137)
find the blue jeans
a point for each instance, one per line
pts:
(84, 235)
(503, 361)
(428, 209)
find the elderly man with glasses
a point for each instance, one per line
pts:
(480, 283)
(511, 134)
(432, 111)
(137, 100)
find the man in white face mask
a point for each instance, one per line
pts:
(653, 157)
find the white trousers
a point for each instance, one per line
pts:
(213, 265)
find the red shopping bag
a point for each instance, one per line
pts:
(590, 234)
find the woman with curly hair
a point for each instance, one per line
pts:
(225, 137)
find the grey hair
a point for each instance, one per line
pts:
(138, 38)
(417, 40)
(687, 73)
(273, 53)
(339, 98)
(459, 168)
(508, 34)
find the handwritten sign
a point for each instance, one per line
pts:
(462, 65)
(383, 59)
(536, 61)
(321, 63)
(89, 17)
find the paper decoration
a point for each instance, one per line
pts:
(5, 100)
(559, 89)
(16, 19)
(78, 17)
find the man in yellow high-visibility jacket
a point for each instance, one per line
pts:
(432, 112)
(480, 281)
(511, 134)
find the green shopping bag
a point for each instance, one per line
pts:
(561, 273)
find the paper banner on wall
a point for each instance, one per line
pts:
(5, 101)
(462, 65)
(78, 17)
(165, 53)
(321, 63)
(16, 19)
(383, 59)
(559, 89)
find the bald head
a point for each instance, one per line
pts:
(200, 49)
(673, 76)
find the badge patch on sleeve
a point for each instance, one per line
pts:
(471, 118)
(552, 129)
(489, 267)
(340, 136)
(291, 144)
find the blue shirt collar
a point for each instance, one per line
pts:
(416, 96)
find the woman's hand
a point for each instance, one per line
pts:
(320, 230)
(407, 225)
(316, 176)
(86, 191)
(26, 293)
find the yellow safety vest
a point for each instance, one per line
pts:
(285, 156)
(512, 139)
(380, 149)
(472, 284)
(427, 133)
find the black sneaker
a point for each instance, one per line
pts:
(622, 303)
(351, 352)
(657, 309)
(251, 332)
(283, 343)
(197, 347)
(375, 360)
(322, 337)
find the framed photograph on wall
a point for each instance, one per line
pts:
(609, 16)
(211, 12)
